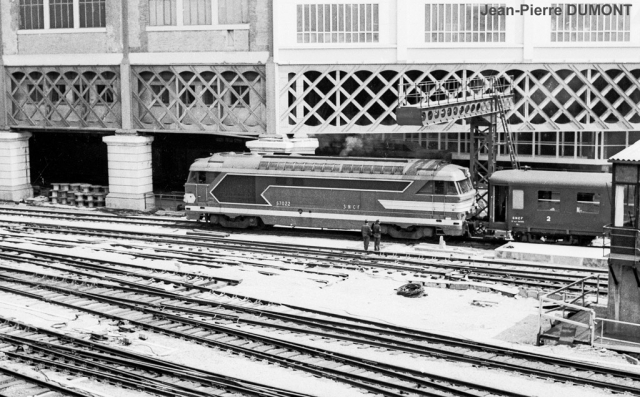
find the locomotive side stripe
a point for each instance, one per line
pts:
(409, 183)
(426, 205)
(325, 215)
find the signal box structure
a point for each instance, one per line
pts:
(484, 102)
(623, 309)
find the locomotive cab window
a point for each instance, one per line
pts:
(465, 186)
(548, 200)
(439, 187)
(202, 177)
(427, 188)
(588, 203)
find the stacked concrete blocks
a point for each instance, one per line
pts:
(79, 194)
(15, 173)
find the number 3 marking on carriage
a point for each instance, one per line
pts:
(548, 219)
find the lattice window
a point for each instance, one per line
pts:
(591, 22)
(200, 98)
(64, 97)
(240, 96)
(61, 14)
(183, 12)
(197, 12)
(338, 23)
(31, 14)
(333, 99)
(452, 23)
(162, 13)
(92, 13)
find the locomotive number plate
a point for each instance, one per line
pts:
(283, 203)
(517, 219)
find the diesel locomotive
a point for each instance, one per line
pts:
(412, 198)
(549, 205)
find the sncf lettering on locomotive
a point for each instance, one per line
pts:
(351, 206)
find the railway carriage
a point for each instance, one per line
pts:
(412, 198)
(549, 205)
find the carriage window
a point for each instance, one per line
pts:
(518, 200)
(439, 187)
(548, 200)
(588, 203)
(451, 188)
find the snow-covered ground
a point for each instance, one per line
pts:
(509, 321)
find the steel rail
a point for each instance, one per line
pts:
(101, 217)
(80, 261)
(67, 391)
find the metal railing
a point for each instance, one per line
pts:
(561, 299)
(601, 328)
(570, 306)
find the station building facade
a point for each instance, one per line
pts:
(129, 72)
(576, 78)
(147, 77)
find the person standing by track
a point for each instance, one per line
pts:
(377, 235)
(366, 234)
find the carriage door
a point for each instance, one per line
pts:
(498, 215)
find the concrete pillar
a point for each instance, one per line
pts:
(15, 170)
(274, 141)
(130, 174)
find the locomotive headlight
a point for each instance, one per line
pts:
(189, 198)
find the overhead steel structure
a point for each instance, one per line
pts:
(484, 102)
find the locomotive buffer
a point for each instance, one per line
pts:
(485, 101)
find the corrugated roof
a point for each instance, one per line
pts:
(630, 154)
(550, 178)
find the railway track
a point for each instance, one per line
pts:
(14, 383)
(207, 250)
(45, 349)
(190, 306)
(62, 215)
(232, 327)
